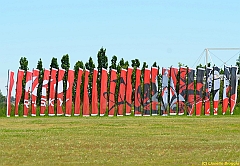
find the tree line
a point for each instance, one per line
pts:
(102, 62)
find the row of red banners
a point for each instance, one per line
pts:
(146, 98)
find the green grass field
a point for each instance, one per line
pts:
(178, 140)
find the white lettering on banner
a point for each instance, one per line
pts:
(61, 101)
(26, 103)
(43, 102)
(51, 102)
(34, 103)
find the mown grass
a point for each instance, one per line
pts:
(177, 140)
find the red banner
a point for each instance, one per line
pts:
(60, 92)
(146, 93)
(121, 92)
(94, 94)
(86, 111)
(69, 93)
(35, 76)
(208, 89)
(164, 102)
(111, 102)
(173, 92)
(199, 91)
(18, 90)
(9, 91)
(190, 92)
(154, 90)
(182, 90)
(233, 92)
(103, 94)
(52, 92)
(226, 88)
(78, 92)
(138, 98)
(129, 91)
(28, 87)
(44, 92)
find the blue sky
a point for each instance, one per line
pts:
(167, 32)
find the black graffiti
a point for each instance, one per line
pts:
(144, 99)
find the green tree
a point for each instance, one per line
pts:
(78, 65)
(54, 64)
(40, 80)
(23, 66)
(2, 97)
(102, 63)
(135, 64)
(90, 66)
(154, 64)
(142, 76)
(113, 63)
(65, 64)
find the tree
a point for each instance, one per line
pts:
(102, 63)
(142, 77)
(54, 64)
(135, 65)
(23, 63)
(90, 66)
(65, 64)
(78, 65)
(113, 63)
(23, 66)
(40, 80)
(2, 98)
(154, 64)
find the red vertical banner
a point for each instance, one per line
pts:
(164, 101)
(182, 90)
(28, 87)
(173, 92)
(69, 92)
(94, 94)
(199, 91)
(52, 90)
(233, 92)
(86, 111)
(121, 93)
(78, 94)
(9, 91)
(129, 91)
(111, 102)
(190, 92)
(226, 88)
(137, 97)
(154, 90)
(60, 92)
(103, 94)
(35, 76)
(146, 93)
(18, 90)
(208, 89)
(44, 92)
(216, 89)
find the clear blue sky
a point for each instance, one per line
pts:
(167, 32)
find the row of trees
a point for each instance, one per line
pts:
(102, 62)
